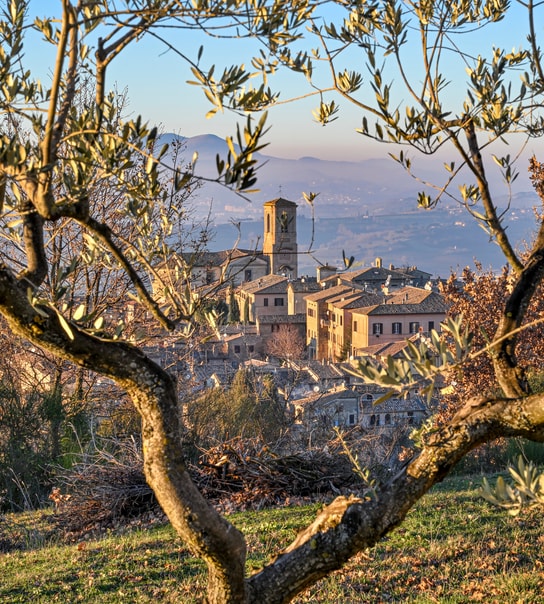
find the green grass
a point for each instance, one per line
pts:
(453, 548)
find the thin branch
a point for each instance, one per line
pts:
(497, 229)
(36, 269)
(105, 235)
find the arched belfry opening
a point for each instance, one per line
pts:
(280, 236)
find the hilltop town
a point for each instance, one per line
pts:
(307, 331)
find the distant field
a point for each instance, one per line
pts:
(453, 548)
(430, 240)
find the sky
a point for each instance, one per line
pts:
(156, 83)
(163, 93)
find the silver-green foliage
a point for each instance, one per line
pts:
(525, 492)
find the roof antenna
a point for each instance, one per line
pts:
(280, 190)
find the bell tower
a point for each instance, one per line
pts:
(280, 237)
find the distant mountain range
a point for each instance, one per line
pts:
(367, 208)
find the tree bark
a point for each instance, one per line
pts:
(350, 525)
(153, 392)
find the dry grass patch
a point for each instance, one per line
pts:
(453, 548)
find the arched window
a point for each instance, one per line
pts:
(387, 419)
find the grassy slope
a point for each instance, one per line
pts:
(453, 547)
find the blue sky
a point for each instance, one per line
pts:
(157, 89)
(163, 95)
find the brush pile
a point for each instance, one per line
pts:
(246, 474)
(107, 490)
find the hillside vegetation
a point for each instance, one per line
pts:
(454, 547)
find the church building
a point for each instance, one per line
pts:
(237, 266)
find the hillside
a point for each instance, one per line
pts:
(453, 547)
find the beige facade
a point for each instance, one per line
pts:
(407, 312)
(318, 318)
(297, 291)
(264, 296)
(328, 320)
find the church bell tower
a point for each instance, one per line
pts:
(280, 237)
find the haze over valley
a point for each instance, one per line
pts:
(367, 208)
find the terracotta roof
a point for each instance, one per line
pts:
(305, 284)
(332, 292)
(268, 319)
(408, 300)
(414, 403)
(325, 398)
(269, 284)
(373, 273)
(319, 371)
(385, 348)
(358, 299)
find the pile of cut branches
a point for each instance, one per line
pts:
(103, 490)
(246, 474)
(107, 489)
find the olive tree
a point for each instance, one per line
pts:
(53, 152)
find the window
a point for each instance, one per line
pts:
(372, 420)
(341, 320)
(278, 301)
(414, 326)
(387, 419)
(268, 223)
(431, 326)
(247, 274)
(410, 415)
(311, 312)
(377, 329)
(354, 325)
(397, 329)
(265, 302)
(236, 349)
(251, 348)
(351, 419)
